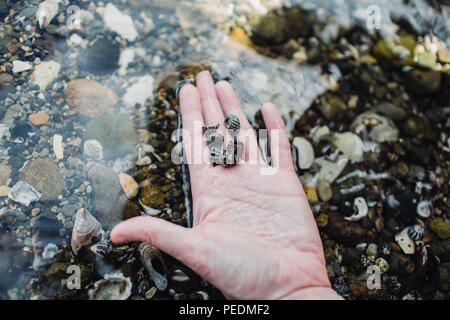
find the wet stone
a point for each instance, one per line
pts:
(152, 196)
(441, 226)
(107, 190)
(44, 176)
(101, 57)
(422, 83)
(115, 133)
(90, 98)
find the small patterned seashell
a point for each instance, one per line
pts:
(93, 150)
(23, 193)
(129, 185)
(46, 12)
(232, 122)
(103, 247)
(85, 229)
(214, 139)
(151, 258)
(360, 205)
(416, 231)
(235, 148)
(405, 242)
(214, 126)
(114, 286)
(216, 156)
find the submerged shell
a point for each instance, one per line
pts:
(46, 12)
(93, 149)
(149, 256)
(305, 157)
(416, 231)
(103, 247)
(23, 193)
(378, 128)
(350, 144)
(85, 228)
(405, 242)
(232, 122)
(361, 207)
(114, 286)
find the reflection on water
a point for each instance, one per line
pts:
(87, 117)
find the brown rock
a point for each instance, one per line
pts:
(349, 233)
(89, 97)
(129, 185)
(38, 119)
(44, 176)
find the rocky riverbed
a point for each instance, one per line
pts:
(88, 110)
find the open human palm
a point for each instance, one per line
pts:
(254, 235)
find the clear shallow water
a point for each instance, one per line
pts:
(174, 41)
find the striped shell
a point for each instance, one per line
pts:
(103, 247)
(216, 156)
(214, 139)
(235, 148)
(416, 231)
(232, 122)
(46, 12)
(85, 228)
(149, 256)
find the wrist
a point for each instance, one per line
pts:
(313, 293)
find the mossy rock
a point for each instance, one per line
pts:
(152, 197)
(395, 51)
(441, 226)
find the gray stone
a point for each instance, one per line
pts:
(115, 132)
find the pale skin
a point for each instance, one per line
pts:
(254, 235)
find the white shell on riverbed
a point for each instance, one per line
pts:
(114, 286)
(93, 149)
(360, 205)
(305, 151)
(23, 193)
(405, 242)
(350, 144)
(85, 228)
(46, 12)
(148, 254)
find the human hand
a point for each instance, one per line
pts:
(254, 235)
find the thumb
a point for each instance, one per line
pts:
(177, 241)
